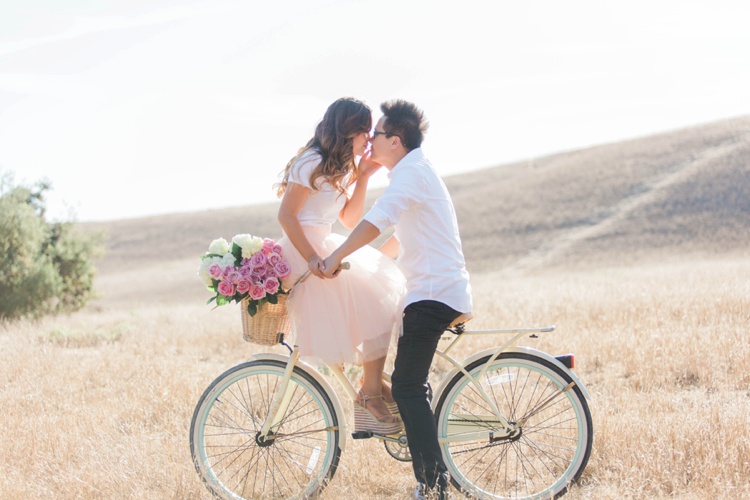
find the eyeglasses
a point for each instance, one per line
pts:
(376, 133)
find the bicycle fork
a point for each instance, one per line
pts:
(280, 401)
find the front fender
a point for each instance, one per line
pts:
(315, 374)
(518, 349)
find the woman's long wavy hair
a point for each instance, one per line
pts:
(343, 121)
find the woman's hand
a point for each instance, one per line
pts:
(316, 265)
(366, 166)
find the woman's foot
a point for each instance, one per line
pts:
(371, 414)
(387, 394)
(388, 398)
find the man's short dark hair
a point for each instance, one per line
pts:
(405, 120)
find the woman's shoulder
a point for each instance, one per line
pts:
(308, 157)
(304, 166)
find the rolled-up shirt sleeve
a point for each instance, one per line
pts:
(398, 197)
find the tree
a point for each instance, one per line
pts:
(44, 267)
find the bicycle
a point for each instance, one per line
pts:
(512, 422)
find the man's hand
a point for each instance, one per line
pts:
(331, 266)
(363, 234)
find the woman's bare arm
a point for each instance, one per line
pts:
(294, 197)
(352, 211)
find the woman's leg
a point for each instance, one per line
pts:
(372, 385)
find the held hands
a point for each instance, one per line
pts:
(332, 266)
(316, 265)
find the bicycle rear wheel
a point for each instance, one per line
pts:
(555, 434)
(302, 452)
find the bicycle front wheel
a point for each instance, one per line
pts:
(552, 442)
(301, 452)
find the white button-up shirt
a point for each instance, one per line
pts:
(430, 256)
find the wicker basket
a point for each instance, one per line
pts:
(264, 328)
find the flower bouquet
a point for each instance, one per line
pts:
(250, 268)
(249, 272)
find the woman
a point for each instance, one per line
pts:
(349, 319)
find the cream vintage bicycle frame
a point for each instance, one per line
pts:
(493, 353)
(283, 396)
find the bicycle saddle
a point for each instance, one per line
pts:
(464, 318)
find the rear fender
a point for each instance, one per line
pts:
(518, 349)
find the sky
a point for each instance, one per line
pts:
(133, 108)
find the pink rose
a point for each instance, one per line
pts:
(243, 285)
(255, 277)
(282, 269)
(273, 258)
(227, 270)
(257, 292)
(234, 276)
(215, 271)
(268, 245)
(272, 285)
(246, 270)
(258, 260)
(226, 288)
(277, 249)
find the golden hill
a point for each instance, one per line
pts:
(679, 193)
(636, 251)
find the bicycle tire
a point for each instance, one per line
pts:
(297, 463)
(554, 444)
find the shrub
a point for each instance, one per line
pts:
(44, 267)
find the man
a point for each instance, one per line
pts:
(429, 251)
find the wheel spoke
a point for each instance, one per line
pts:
(297, 457)
(542, 456)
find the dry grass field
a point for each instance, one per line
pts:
(637, 251)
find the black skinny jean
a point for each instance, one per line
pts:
(424, 323)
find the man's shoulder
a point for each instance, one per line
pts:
(415, 166)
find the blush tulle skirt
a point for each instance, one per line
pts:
(351, 318)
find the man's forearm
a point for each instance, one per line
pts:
(363, 234)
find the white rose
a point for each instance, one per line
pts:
(227, 260)
(256, 244)
(241, 239)
(248, 243)
(218, 246)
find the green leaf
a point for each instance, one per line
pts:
(237, 252)
(252, 308)
(211, 299)
(272, 299)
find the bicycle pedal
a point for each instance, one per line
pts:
(362, 435)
